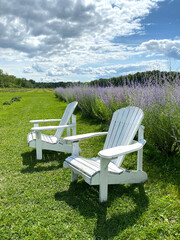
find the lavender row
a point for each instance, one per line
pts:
(160, 103)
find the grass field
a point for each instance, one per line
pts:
(37, 200)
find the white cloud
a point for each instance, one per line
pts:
(27, 70)
(107, 71)
(70, 33)
(47, 27)
(37, 67)
(166, 47)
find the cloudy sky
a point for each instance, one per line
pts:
(83, 40)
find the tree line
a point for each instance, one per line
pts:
(152, 77)
(10, 81)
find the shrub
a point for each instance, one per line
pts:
(15, 99)
(6, 103)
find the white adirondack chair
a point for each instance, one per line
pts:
(55, 143)
(106, 169)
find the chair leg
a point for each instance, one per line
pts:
(74, 176)
(103, 194)
(38, 154)
(38, 146)
(75, 151)
(103, 187)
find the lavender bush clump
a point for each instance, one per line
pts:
(160, 103)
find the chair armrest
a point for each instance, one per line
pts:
(51, 127)
(79, 137)
(121, 150)
(45, 120)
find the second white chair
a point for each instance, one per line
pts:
(55, 143)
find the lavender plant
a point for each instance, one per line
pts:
(160, 103)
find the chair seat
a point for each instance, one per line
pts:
(45, 138)
(90, 166)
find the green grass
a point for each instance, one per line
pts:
(37, 200)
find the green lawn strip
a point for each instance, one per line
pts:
(37, 200)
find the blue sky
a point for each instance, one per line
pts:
(83, 40)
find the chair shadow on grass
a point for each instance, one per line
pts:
(34, 165)
(85, 199)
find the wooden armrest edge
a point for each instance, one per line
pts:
(79, 137)
(44, 120)
(121, 150)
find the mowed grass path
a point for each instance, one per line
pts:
(37, 200)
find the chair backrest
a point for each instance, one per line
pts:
(66, 118)
(123, 128)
